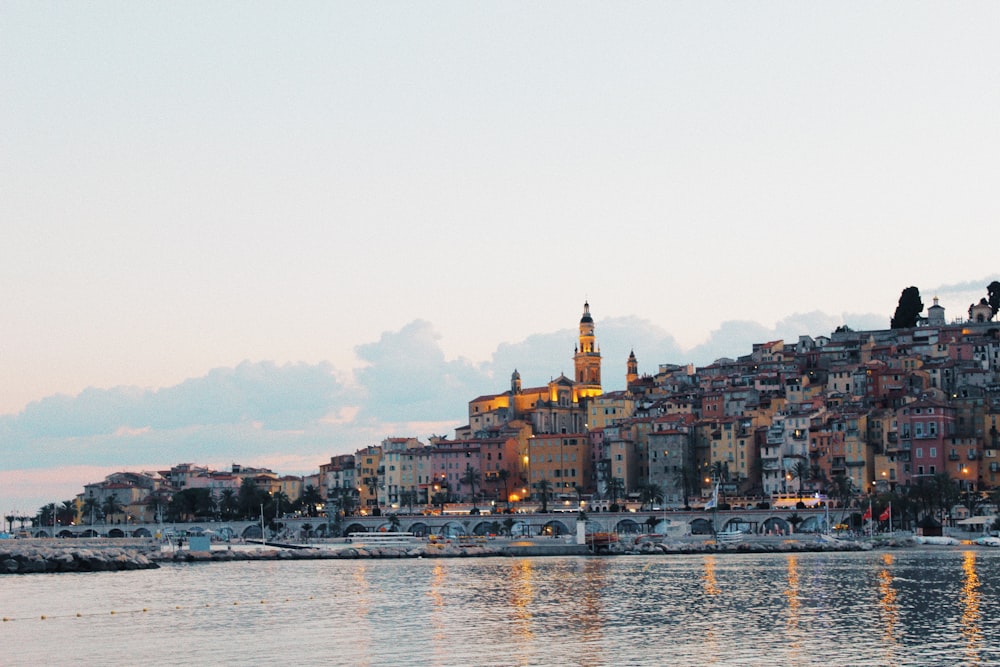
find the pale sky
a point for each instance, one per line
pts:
(215, 214)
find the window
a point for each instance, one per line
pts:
(933, 451)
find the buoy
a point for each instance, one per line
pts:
(112, 612)
(144, 610)
(43, 617)
(262, 601)
(78, 615)
(235, 603)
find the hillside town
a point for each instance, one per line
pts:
(838, 417)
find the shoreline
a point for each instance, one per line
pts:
(110, 555)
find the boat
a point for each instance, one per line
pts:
(601, 541)
(987, 541)
(730, 536)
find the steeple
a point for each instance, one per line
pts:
(632, 369)
(587, 358)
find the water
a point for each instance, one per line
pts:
(910, 607)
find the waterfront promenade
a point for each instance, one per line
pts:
(551, 524)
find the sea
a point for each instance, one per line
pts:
(920, 606)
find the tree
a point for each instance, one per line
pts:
(111, 506)
(508, 526)
(616, 489)
(503, 475)
(393, 523)
(993, 290)
(544, 487)
(229, 505)
(649, 493)
(802, 473)
(310, 500)
(91, 509)
(471, 478)
(10, 518)
(908, 310)
(408, 498)
(66, 513)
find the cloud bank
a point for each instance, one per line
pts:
(293, 417)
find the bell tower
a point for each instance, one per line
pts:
(587, 359)
(632, 369)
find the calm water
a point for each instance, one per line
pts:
(913, 607)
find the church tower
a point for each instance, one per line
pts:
(587, 359)
(632, 369)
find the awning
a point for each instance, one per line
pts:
(977, 521)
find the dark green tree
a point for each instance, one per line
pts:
(310, 500)
(993, 292)
(111, 506)
(908, 310)
(470, 478)
(229, 505)
(544, 487)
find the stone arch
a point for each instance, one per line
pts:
(555, 527)
(116, 532)
(41, 533)
(452, 529)
(141, 532)
(628, 526)
(355, 528)
(487, 528)
(738, 524)
(65, 533)
(419, 528)
(813, 524)
(251, 532)
(520, 529)
(90, 532)
(775, 526)
(701, 527)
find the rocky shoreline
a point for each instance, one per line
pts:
(74, 557)
(113, 555)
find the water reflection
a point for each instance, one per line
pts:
(794, 610)
(363, 612)
(970, 609)
(711, 583)
(438, 614)
(522, 593)
(888, 610)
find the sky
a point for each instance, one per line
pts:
(269, 234)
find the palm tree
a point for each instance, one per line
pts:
(471, 477)
(508, 525)
(801, 472)
(228, 504)
(111, 506)
(544, 487)
(720, 471)
(616, 489)
(503, 475)
(66, 513)
(10, 522)
(393, 523)
(649, 493)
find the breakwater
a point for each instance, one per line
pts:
(40, 556)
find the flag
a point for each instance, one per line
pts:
(884, 516)
(868, 514)
(714, 502)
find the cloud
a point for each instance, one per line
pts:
(293, 417)
(407, 378)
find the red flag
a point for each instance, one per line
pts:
(884, 516)
(868, 514)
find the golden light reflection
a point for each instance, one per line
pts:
(522, 591)
(589, 615)
(438, 615)
(711, 584)
(970, 610)
(794, 609)
(888, 610)
(361, 589)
